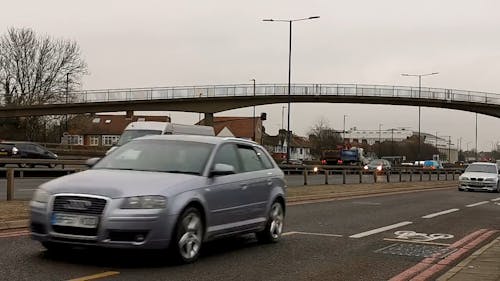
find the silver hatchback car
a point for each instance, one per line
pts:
(170, 191)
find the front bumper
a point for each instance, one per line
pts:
(117, 228)
(477, 185)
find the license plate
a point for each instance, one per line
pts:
(83, 221)
(3, 152)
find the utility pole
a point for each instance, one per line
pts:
(253, 119)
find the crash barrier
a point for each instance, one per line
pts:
(360, 175)
(60, 169)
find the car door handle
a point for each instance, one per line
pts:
(269, 182)
(244, 186)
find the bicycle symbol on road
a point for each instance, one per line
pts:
(421, 237)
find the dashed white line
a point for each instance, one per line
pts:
(311, 233)
(496, 199)
(440, 213)
(381, 229)
(477, 204)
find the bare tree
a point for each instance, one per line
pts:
(36, 70)
(323, 137)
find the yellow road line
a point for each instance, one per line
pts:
(96, 276)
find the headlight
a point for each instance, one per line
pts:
(41, 196)
(489, 179)
(315, 169)
(145, 202)
(366, 167)
(463, 178)
(15, 150)
(379, 168)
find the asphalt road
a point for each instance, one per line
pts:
(25, 187)
(337, 240)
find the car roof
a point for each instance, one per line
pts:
(196, 138)
(484, 163)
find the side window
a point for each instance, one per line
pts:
(227, 155)
(250, 159)
(264, 158)
(39, 149)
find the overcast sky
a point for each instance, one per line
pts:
(171, 43)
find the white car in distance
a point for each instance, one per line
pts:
(480, 176)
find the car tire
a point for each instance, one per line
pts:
(498, 188)
(459, 189)
(188, 236)
(274, 225)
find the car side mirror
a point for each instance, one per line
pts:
(92, 161)
(222, 170)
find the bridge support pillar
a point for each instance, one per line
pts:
(209, 119)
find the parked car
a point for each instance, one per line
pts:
(378, 165)
(293, 166)
(432, 165)
(29, 150)
(174, 191)
(480, 176)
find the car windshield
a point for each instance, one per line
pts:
(480, 168)
(159, 156)
(129, 135)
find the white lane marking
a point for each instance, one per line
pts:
(496, 199)
(477, 204)
(382, 229)
(430, 216)
(310, 233)
(416, 242)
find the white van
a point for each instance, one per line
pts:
(144, 128)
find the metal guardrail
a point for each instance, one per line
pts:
(237, 90)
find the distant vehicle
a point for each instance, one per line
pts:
(344, 156)
(31, 150)
(160, 192)
(144, 128)
(432, 165)
(378, 165)
(292, 162)
(480, 176)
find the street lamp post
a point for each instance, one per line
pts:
(476, 139)
(289, 134)
(67, 94)
(253, 119)
(343, 132)
(419, 107)
(379, 139)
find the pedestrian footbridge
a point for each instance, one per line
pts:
(217, 98)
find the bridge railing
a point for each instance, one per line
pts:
(280, 89)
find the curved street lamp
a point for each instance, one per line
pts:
(288, 133)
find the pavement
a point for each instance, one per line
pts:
(483, 264)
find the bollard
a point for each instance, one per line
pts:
(10, 184)
(411, 175)
(430, 176)
(400, 176)
(438, 174)
(421, 175)
(388, 175)
(453, 174)
(360, 176)
(446, 175)
(343, 176)
(326, 176)
(375, 177)
(305, 177)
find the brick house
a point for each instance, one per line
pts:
(239, 127)
(277, 145)
(101, 130)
